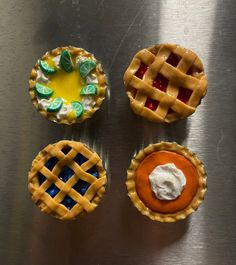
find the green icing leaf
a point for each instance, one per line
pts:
(66, 62)
(86, 67)
(46, 68)
(88, 90)
(78, 107)
(43, 91)
(55, 105)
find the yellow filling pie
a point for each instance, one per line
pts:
(67, 85)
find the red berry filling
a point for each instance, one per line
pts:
(141, 71)
(193, 70)
(190, 71)
(170, 111)
(160, 82)
(173, 59)
(134, 92)
(184, 94)
(151, 104)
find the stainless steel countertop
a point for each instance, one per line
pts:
(116, 233)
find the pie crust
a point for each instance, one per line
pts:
(74, 51)
(165, 83)
(197, 198)
(65, 153)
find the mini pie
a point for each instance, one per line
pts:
(67, 179)
(165, 83)
(67, 85)
(140, 189)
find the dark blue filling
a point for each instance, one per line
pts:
(80, 159)
(68, 202)
(51, 163)
(66, 173)
(52, 190)
(66, 149)
(93, 171)
(95, 174)
(41, 178)
(81, 186)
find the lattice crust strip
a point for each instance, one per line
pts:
(83, 203)
(188, 74)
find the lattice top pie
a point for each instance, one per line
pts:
(165, 82)
(67, 179)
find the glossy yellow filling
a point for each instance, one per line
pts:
(66, 85)
(71, 115)
(50, 62)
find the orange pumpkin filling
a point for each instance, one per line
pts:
(143, 186)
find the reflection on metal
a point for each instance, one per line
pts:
(116, 233)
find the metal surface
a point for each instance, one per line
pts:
(116, 233)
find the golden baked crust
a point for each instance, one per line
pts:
(187, 74)
(83, 203)
(196, 201)
(101, 82)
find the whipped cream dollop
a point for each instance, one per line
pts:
(41, 77)
(88, 103)
(167, 181)
(43, 103)
(56, 60)
(91, 79)
(79, 60)
(63, 112)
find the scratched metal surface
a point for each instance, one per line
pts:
(116, 233)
